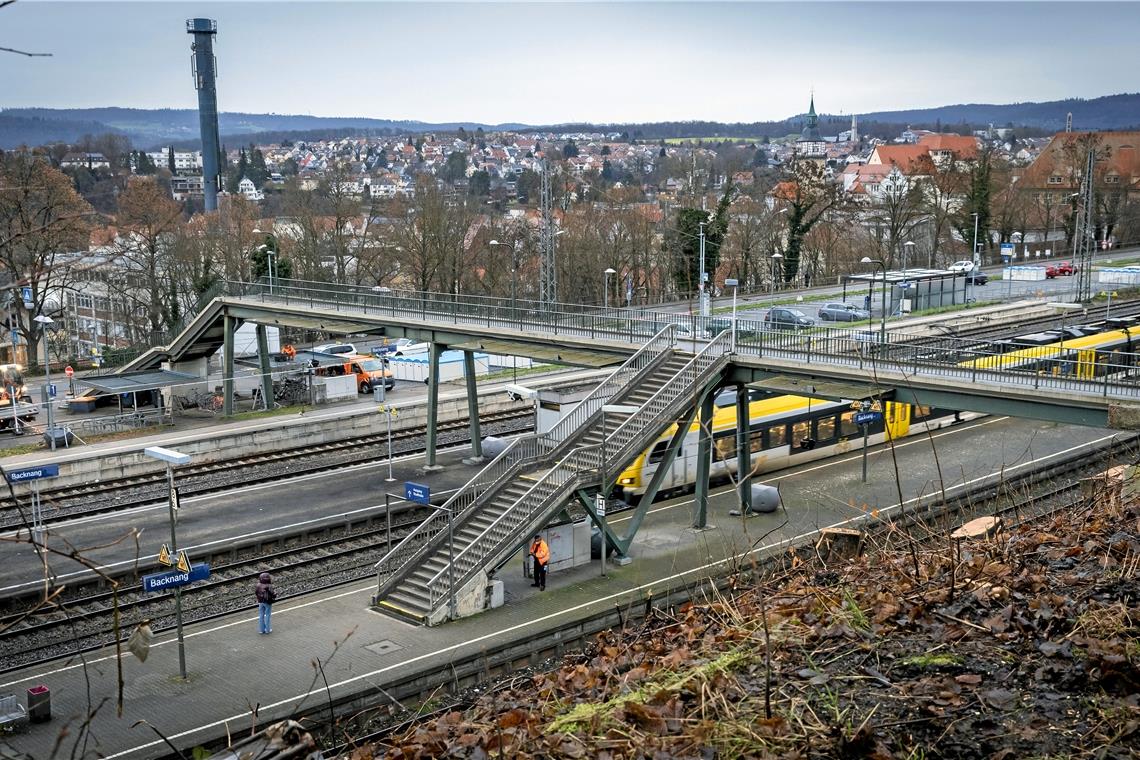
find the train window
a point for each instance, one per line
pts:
(658, 452)
(825, 429)
(725, 446)
(920, 412)
(757, 440)
(801, 431)
(777, 436)
(847, 424)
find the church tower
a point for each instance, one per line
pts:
(810, 144)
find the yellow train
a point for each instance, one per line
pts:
(784, 431)
(1084, 357)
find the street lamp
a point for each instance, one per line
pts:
(732, 282)
(172, 458)
(908, 246)
(883, 316)
(606, 286)
(976, 258)
(776, 265)
(44, 321)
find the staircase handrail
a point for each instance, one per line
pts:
(564, 469)
(611, 384)
(520, 451)
(659, 402)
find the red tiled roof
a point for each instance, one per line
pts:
(965, 147)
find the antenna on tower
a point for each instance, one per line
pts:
(205, 69)
(1069, 122)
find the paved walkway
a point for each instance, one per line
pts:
(233, 669)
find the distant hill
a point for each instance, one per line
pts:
(153, 127)
(148, 128)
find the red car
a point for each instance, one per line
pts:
(1050, 271)
(1065, 267)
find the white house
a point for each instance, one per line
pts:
(247, 188)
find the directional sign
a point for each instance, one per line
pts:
(26, 295)
(867, 418)
(33, 473)
(51, 390)
(164, 556)
(183, 562)
(174, 502)
(600, 505)
(417, 492)
(172, 578)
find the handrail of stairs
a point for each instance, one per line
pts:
(631, 427)
(615, 381)
(552, 483)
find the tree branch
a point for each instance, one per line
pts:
(23, 52)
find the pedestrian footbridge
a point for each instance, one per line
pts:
(669, 368)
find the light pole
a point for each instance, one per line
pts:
(732, 282)
(269, 254)
(776, 266)
(173, 458)
(1108, 308)
(907, 247)
(606, 286)
(44, 321)
(883, 316)
(975, 256)
(703, 303)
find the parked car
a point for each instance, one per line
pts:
(966, 265)
(1050, 272)
(839, 311)
(335, 348)
(977, 277)
(745, 328)
(1065, 267)
(787, 319)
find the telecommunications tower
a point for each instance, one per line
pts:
(205, 69)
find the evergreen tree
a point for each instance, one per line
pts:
(569, 150)
(607, 171)
(455, 167)
(605, 150)
(170, 159)
(480, 183)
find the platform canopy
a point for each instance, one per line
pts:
(574, 357)
(133, 382)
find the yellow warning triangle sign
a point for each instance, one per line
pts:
(183, 562)
(164, 556)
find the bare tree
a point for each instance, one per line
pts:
(149, 221)
(41, 220)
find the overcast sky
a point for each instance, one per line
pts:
(558, 62)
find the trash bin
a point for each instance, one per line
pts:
(63, 437)
(378, 393)
(39, 704)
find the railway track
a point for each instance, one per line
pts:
(31, 635)
(196, 480)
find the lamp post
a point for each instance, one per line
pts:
(907, 247)
(776, 265)
(732, 282)
(883, 316)
(606, 286)
(172, 458)
(975, 256)
(1108, 308)
(269, 254)
(44, 321)
(703, 305)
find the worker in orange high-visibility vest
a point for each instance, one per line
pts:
(541, 553)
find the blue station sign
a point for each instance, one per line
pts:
(199, 571)
(33, 473)
(417, 492)
(867, 418)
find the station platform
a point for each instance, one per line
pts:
(233, 670)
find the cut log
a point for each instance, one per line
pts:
(839, 543)
(981, 527)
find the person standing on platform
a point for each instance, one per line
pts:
(541, 553)
(266, 596)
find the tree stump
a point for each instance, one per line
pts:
(981, 527)
(839, 543)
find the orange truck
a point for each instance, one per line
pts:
(369, 371)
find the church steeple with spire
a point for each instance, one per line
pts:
(810, 143)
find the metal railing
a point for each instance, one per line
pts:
(857, 346)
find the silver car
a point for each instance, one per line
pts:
(842, 312)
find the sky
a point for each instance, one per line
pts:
(550, 62)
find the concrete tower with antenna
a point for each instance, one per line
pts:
(205, 69)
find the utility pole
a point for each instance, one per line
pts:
(702, 295)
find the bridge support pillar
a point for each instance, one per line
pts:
(472, 408)
(266, 372)
(743, 448)
(229, 327)
(434, 354)
(704, 460)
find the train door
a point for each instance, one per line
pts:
(897, 419)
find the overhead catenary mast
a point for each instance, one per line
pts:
(548, 268)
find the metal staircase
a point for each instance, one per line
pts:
(429, 578)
